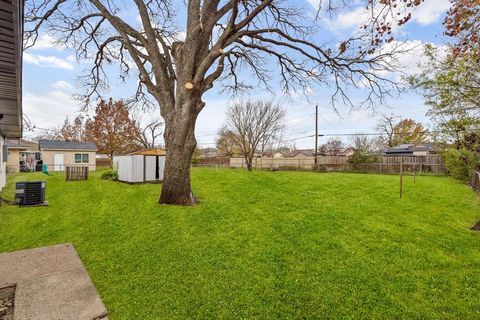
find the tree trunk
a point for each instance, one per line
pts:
(180, 145)
(249, 164)
(111, 160)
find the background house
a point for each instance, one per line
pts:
(58, 154)
(339, 152)
(300, 153)
(11, 37)
(23, 155)
(411, 150)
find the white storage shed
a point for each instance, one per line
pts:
(137, 168)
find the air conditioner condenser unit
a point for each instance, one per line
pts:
(30, 193)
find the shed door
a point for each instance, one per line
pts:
(150, 168)
(161, 166)
(58, 162)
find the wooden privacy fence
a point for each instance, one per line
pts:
(212, 162)
(76, 173)
(103, 162)
(420, 164)
(306, 163)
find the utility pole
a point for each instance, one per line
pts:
(316, 136)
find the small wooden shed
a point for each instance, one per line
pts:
(142, 166)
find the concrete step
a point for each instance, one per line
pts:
(51, 283)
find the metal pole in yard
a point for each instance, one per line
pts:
(316, 136)
(414, 176)
(401, 177)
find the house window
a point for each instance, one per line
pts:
(81, 157)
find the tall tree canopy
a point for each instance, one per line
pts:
(463, 23)
(451, 88)
(112, 129)
(221, 37)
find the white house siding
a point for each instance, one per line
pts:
(48, 157)
(3, 165)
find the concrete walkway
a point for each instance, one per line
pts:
(51, 283)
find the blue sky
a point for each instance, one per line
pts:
(50, 80)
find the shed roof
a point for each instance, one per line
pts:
(66, 145)
(150, 152)
(11, 35)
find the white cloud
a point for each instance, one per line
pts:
(426, 13)
(48, 61)
(45, 41)
(409, 61)
(361, 116)
(62, 85)
(314, 3)
(431, 11)
(351, 19)
(49, 110)
(71, 58)
(210, 120)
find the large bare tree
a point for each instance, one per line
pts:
(253, 124)
(220, 38)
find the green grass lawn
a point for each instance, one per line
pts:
(266, 245)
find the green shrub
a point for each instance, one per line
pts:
(109, 175)
(364, 157)
(461, 162)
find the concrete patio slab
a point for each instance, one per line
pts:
(51, 283)
(31, 263)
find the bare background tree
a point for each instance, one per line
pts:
(221, 39)
(148, 136)
(227, 143)
(367, 149)
(386, 126)
(275, 144)
(395, 131)
(332, 147)
(253, 124)
(363, 143)
(74, 130)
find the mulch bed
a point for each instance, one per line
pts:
(476, 227)
(7, 296)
